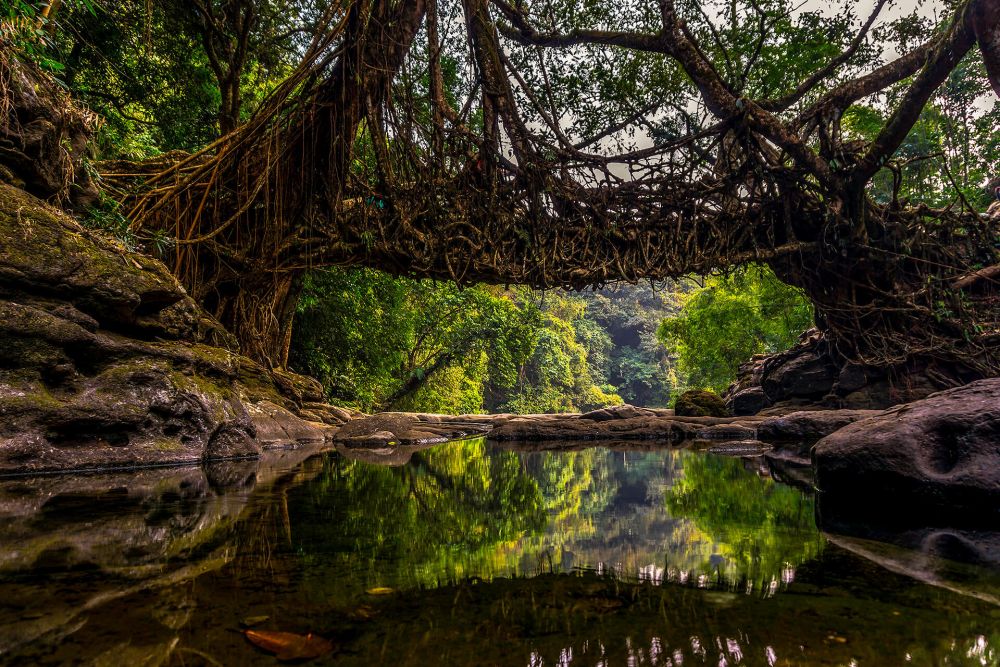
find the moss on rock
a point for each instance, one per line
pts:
(700, 403)
(106, 362)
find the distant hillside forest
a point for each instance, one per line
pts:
(381, 342)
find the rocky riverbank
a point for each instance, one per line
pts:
(106, 362)
(622, 423)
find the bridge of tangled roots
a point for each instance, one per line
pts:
(344, 165)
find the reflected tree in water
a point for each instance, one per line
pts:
(446, 515)
(759, 529)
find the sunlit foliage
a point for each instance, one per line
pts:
(759, 527)
(730, 319)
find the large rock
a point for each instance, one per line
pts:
(805, 376)
(813, 374)
(277, 426)
(748, 401)
(698, 403)
(77, 398)
(809, 425)
(937, 458)
(106, 362)
(46, 254)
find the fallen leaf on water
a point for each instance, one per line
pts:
(251, 621)
(288, 645)
(380, 590)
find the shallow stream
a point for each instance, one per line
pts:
(471, 554)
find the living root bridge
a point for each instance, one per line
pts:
(349, 163)
(454, 236)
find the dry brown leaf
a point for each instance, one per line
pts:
(288, 645)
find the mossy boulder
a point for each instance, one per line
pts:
(72, 398)
(45, 254)
(700, 403)
(105, 361)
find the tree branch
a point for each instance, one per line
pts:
(524, 33)
(939, 64)
(816, 77)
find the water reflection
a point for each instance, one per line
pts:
(468, 510)
(452, 556)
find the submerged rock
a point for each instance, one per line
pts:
(740, 448)
(108, 535)
(935, 458)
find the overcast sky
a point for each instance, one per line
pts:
(895, 9)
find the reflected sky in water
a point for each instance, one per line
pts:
(468, 554)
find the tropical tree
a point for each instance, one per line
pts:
(378, 341)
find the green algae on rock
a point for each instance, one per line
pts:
(699, 403)
(105, 361)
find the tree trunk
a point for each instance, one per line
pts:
(260, 313)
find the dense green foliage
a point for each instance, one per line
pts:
(126, 59)
(376, 341)
(619, 332)
(730, 319)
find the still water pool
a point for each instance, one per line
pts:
(470, 554)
